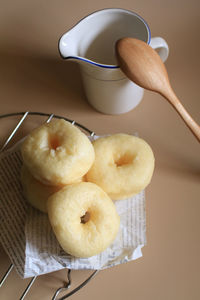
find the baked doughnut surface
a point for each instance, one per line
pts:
(57, 153)
(123, 165)
(35, 192)
(84, 219)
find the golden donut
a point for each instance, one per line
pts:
(35, 192)
(123, 165)
(84, 219)
(57, 153)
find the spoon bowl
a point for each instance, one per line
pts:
(142, 65)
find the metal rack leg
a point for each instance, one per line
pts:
(14, 131)
(77, 288)
(28, 288)
(6, 275)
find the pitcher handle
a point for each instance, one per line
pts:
(161, 46)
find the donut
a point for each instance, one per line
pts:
(57, 153)
(35, 192)
(123, 165)
(84, 219)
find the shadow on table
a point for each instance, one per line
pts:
(33, 78)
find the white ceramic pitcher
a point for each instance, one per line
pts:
(91, 43)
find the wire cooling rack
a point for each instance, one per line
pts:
(65, 288)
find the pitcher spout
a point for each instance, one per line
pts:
(67, 46)
(89, 41)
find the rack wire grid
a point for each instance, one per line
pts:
(67, 283)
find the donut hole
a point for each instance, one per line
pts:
(54, 142)
(85, 218)
(124, 159)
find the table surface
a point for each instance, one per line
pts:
(35, 78)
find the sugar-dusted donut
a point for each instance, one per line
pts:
(123, 165)
(84, 219)
(57, 153)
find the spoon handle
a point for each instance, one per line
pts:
(175, 102)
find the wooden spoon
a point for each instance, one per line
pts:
(143, 65)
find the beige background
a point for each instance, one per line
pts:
(33, 77)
